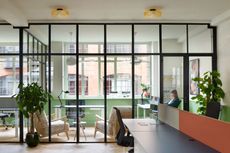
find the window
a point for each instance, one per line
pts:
(9, 49)
(83, 48)
(118, 48)
(9, 75)
(83, 84)
(142, 48)
(72, 48)
(3, 90)
(121, 84)
(9, 64)
(72, 84)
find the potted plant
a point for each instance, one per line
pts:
(30, 99)
(145, 90)
(210, 94)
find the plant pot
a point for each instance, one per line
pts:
(146, 94)
(213, 110)
(32, 139)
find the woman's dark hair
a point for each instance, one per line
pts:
(174, 92)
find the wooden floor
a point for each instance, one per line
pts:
(9, 136)
(63, 148)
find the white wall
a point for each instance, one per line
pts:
(172, 46)
(57, 69)
(200, 39)
(223, 44)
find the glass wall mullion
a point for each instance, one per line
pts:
(21, 134)
(133, 71)
(105, 83)
(77, 82)
(49, 80)
(109, 56)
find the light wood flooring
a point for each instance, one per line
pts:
(9, 136)
(63, 148)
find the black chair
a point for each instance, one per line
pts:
(123, 137)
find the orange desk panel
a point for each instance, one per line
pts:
(211, 132)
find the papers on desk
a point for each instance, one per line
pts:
(142, 123)
(146, 123)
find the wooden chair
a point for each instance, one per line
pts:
(112, 124)
(123, 137)
(57, 125)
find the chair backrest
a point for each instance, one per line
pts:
(113, 126)
(122, 131)
(40, 120)
(125, 111)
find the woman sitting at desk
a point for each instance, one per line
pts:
(175, 101)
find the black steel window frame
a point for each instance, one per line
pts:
(185, 56)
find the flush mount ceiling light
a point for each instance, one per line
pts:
(60, 12)
(152, 12)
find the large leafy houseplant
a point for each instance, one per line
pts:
(210, 90)
(30, 99)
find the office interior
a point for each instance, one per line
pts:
(91, 67)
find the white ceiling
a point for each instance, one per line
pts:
(16, 11)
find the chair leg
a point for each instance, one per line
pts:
(4, 123)
(95, 133)
(67, 134)
(82, 128)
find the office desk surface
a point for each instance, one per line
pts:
(161, 138)
(140, 125)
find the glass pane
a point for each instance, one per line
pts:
(197, 67)
(25, 41)
(35, 70)
(9, 76)
(146, 84)
(9, 40)
(173, 81)
(91, 93)
(63, 38)
(174, 39)
(91, 37)
(63, 104)
(37, 37)
(200, 39)
(35, 46)
(9, 80)
(119, 38)
(119, 90)
(30, 44)
(146, 38)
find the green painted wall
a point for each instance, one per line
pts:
(225, 113)
(91, 112)
(193, 107)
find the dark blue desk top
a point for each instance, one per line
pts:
(165, 139)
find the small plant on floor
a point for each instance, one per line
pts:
(30, 99)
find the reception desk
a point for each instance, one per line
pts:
(150, 137)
